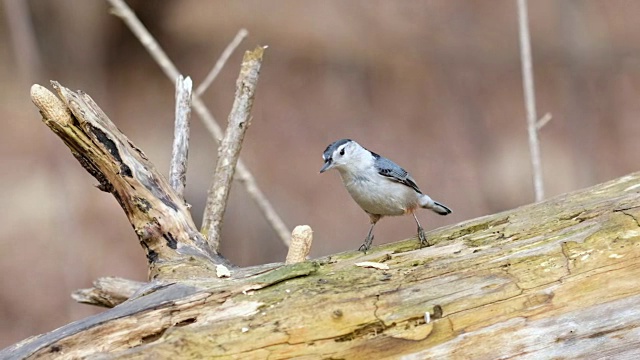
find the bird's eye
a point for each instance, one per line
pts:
(342, 151)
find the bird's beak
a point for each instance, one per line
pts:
(327, 165)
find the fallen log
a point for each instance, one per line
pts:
(555, 279)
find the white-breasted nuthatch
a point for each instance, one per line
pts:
(378, 185)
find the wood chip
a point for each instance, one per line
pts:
(375, 265)
(222, 271)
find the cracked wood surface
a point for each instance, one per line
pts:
(557, 279)
(173, 245)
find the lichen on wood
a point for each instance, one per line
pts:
(547, 280)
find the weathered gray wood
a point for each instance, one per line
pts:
(149, 314)
(181, 129)
(230, 146)
(553, 279)
(107, 292)
(159, 216)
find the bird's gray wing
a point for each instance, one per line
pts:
(393, 171)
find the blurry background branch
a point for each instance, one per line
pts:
(543, 121)
(530, 99)
(122, 10)
(213, 74)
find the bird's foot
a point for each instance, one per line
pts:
(422, 237)
(366, 245)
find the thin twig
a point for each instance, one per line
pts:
(543, 121)
(245, 176)
(530, 99)
(180, 154)
(230, 146)
(213, 74)
(122, 10)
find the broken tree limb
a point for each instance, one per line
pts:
(180, 152)
(230, 146)
(107, 292)
(173, 245)
(555, 279)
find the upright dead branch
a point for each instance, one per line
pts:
(173, 245)
(180, 154)
(530, 99)
(230, 146)
(123, 11)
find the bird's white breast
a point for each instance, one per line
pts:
(379, 195)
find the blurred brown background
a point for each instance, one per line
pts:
(433, 85)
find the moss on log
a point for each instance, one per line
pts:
(556, 279)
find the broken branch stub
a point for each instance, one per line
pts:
(171, 241)
(107, 292)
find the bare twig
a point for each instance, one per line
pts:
(230, 146)
(242, 33)
(244, 176)
(122, 10)
(180, 154)
(107, 292)
(301, 239)
(543, 121)
(530, 99)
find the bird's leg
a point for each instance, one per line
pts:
(421, 235)
(369, 239)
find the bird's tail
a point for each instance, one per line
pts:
(428, 203)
